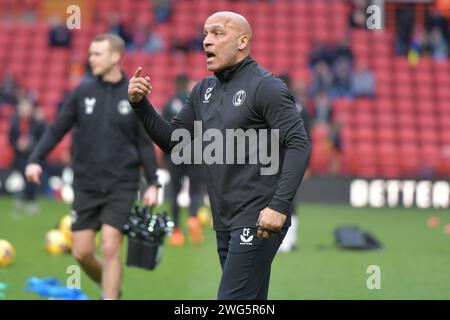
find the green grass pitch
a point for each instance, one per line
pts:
(414, 263)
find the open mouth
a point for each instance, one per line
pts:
(210, 56)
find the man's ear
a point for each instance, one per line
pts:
(243, 42)
(116, 56)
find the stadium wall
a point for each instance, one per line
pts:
(354, 191)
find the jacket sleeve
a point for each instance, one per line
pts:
(166, 114)
(54, 133)
(160, 130)
(277, 106)
(148, 156)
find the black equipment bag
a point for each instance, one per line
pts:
(144, 254)
(353, 238)
(146, 232)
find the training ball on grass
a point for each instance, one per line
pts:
(204, 216)
(7, 253)
(56, 242)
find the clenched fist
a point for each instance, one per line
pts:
(138, 86)
(150, 197)
(269, 222)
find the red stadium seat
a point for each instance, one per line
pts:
(368, 171)
(5, 123)
(403, 91)
(443, 93)
(7, 156)
(390, 171)
(428, 136)
(424, 93)
(386, 135)
(442, 79)
(388, 150)
(444, 137)
(385, 119)
(365, 134)
(405, 106)
(384, 104)
(410, 161)
(427, 121)
(430, 155)
(407, 119)
(367, 153)
(407, 135)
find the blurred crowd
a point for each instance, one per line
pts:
(334, 71)
(26, 127)
(429, 37)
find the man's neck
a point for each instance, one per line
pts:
(229, 72)
(113, 76)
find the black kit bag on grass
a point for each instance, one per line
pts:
(353, 238)
(146, 232)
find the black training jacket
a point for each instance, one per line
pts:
(244, 96)
(109, 144)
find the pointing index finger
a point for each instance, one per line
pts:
(137, 73)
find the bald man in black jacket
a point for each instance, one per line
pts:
(251, 206)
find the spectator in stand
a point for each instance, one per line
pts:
(322, 79)
(335, 138)
(320, 52)
(404, 17)
(196, 43)
(363, 82)
(342, 77)
(342, 69)
(9, 89)
(144, 39)
(59, 35)
(116, 26)
(179, 46)
(322, 108)
(343, 51)
(358, 16)
(300, 92)
(435, 18)
(418, 45)
(26, 129)
(162, 10)
(437, 45)
(324, 120)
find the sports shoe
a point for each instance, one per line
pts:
(195, 230)
(177, 237)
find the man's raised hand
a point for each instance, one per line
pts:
(138, 86)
